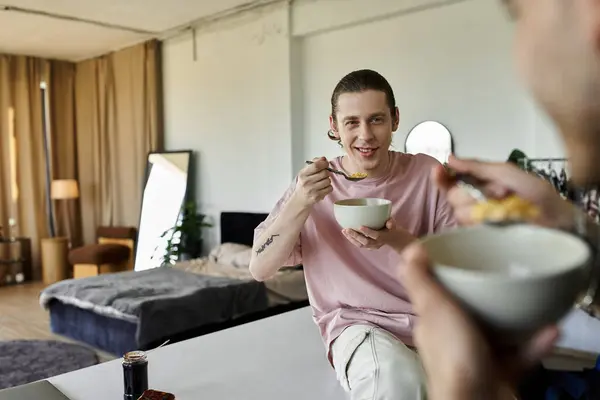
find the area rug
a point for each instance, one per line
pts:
(25, 361)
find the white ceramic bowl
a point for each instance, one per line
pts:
(513, 279)
(354, 213)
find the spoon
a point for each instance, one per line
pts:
(156, 348)
(471, 185)
(335, 171)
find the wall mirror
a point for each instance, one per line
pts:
(431, 138)
(165, 192)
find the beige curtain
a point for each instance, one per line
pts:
(61, 93)
(22, 163)
(7, 205)
(119, 120)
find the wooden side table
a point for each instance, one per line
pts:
(55, 263)
(15, 260)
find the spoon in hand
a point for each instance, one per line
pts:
(473, 186)
(345, 175)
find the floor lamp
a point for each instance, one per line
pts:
(55, 250)
(65, 190)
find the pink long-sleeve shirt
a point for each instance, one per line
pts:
(348, 285)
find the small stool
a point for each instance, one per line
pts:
(55, 266)
(114, 252)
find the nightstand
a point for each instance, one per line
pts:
(15, 260)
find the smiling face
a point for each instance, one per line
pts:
(364, 125)
(558, 56)
(363, 117)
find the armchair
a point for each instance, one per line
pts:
(114, 252)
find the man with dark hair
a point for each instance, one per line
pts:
(558, 56)
(361, 310)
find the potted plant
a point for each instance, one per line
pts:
(184, 240)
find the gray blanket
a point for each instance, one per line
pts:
(162, 301)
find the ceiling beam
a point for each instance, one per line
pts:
(21, 10)
(250, 5)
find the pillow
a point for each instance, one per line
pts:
(231, 254)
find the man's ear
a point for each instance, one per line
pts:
(594, 21)
(395, 120)
(333, 131)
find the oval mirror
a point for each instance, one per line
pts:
(431, 138)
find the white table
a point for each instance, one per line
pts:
(278, 358)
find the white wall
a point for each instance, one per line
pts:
(232, 107)
(255, 103)
(451, 64)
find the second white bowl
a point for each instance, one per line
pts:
(514, 279)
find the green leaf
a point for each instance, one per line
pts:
(189, 228)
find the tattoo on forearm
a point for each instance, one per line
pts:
(266, 244)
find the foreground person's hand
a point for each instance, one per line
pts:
(391, 234)
(458, 360)
(501, 180)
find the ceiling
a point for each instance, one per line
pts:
(62, 29)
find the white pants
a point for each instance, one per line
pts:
(371, 364)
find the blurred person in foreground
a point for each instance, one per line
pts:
(558, 57)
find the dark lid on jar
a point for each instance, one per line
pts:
(134, 357)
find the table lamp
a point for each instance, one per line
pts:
(65, 189)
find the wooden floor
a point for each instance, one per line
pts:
(22, 317)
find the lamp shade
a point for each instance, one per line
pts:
(64, 189)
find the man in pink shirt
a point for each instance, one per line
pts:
(360, 307)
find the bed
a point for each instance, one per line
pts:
(139, 310)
